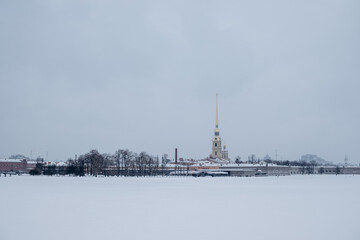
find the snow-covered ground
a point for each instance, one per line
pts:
(292, 207)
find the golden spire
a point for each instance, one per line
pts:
(217, 120)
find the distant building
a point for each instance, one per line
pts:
(217, 150)
(13, 165)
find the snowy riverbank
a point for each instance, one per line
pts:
(292, 207)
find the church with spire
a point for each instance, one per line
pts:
(218, 151)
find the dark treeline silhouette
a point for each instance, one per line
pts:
(121, 163)
(38, 170)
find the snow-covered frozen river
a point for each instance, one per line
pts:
(292, 207)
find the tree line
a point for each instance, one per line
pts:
(122, 163)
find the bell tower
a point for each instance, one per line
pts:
(216, 141)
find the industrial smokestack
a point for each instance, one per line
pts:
(175, 155)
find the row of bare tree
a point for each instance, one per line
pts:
(122, 163)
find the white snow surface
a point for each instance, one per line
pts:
(291, 207)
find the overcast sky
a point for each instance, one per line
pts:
(143, 75)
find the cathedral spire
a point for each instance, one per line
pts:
(217, 118)
(217, 151)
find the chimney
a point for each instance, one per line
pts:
(175, 155)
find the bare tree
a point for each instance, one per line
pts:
(96, 161)
(127, 161)
(117, 159)
(163, 163)
(140, 162)
(252, 158)
(237, 160)
(337, 170)
(108, 162)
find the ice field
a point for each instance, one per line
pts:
(291, 207)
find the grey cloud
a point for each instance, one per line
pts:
(76, 75)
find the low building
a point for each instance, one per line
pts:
(338, 170)
(13, 165)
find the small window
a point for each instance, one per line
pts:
(215, 144)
